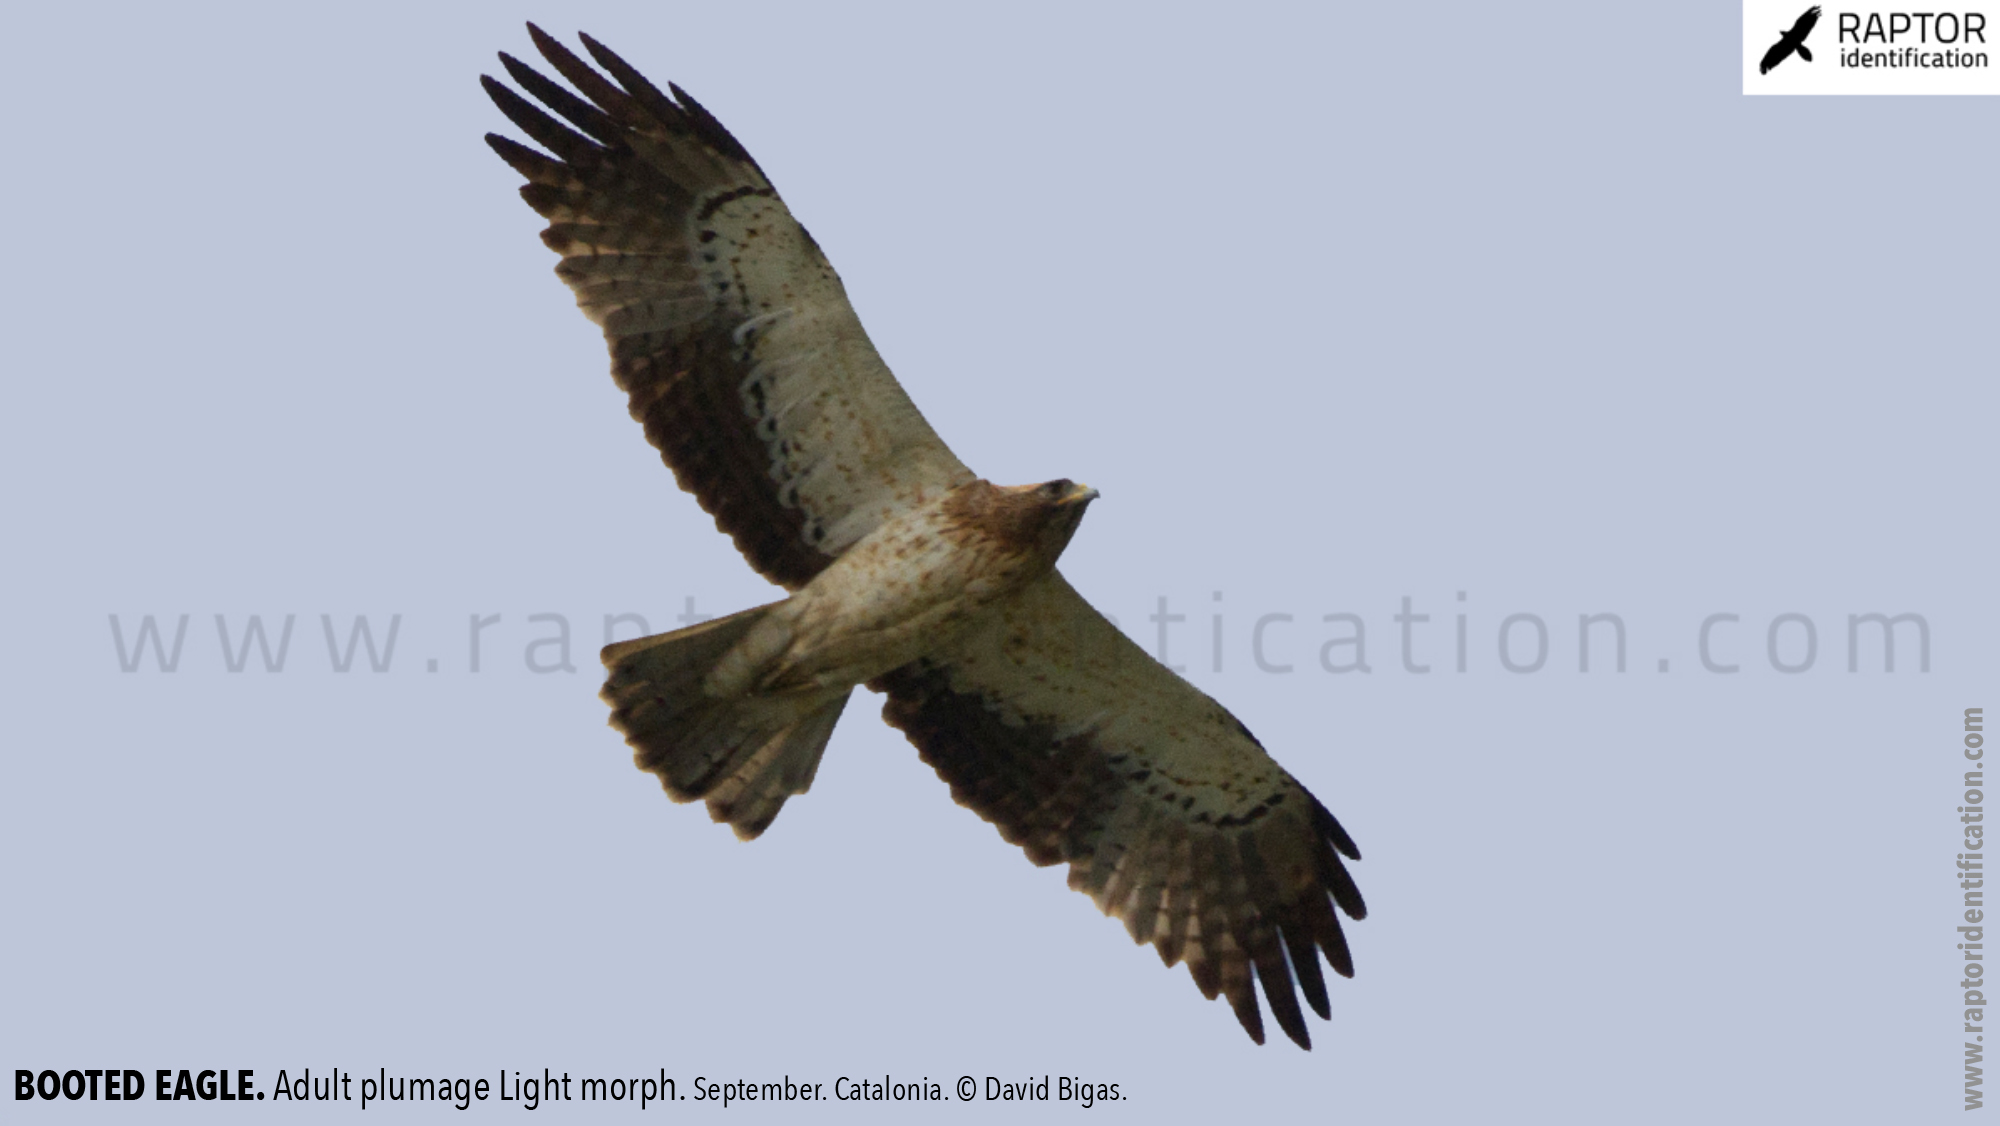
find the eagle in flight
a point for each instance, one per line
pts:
(1793, 40)
(906, 572)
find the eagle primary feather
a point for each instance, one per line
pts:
(728, 329)
(734, 340)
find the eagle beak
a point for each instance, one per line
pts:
(1079, 494)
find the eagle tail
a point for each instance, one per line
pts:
(1803, 53)
(744, 754)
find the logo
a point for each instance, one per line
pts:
(1870, 47)
(1791, 41)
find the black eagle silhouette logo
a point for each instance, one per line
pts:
(1793, 40)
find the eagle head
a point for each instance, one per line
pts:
(1036, 521)
(1059, 504)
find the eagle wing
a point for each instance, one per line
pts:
(1080, 748)
(728, 329)
(1775, 55)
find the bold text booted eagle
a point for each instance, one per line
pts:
(908, 573)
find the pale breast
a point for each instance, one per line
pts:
(910, 586)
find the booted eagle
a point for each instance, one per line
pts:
(907, 572)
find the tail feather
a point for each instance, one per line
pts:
(750, 797)
(744, 754)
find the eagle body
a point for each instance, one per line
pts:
(908, 588)
(905, 571)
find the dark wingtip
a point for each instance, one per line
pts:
(510, 103)
(1251, 1019)
(1338, 955)
(552, 49)
(1328, 826)
(1294, 1025)
(1320, 1002)
(1305, 964)
(1276, 978)
(712, 130)
(605, 56)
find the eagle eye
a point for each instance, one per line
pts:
(1056, 489)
